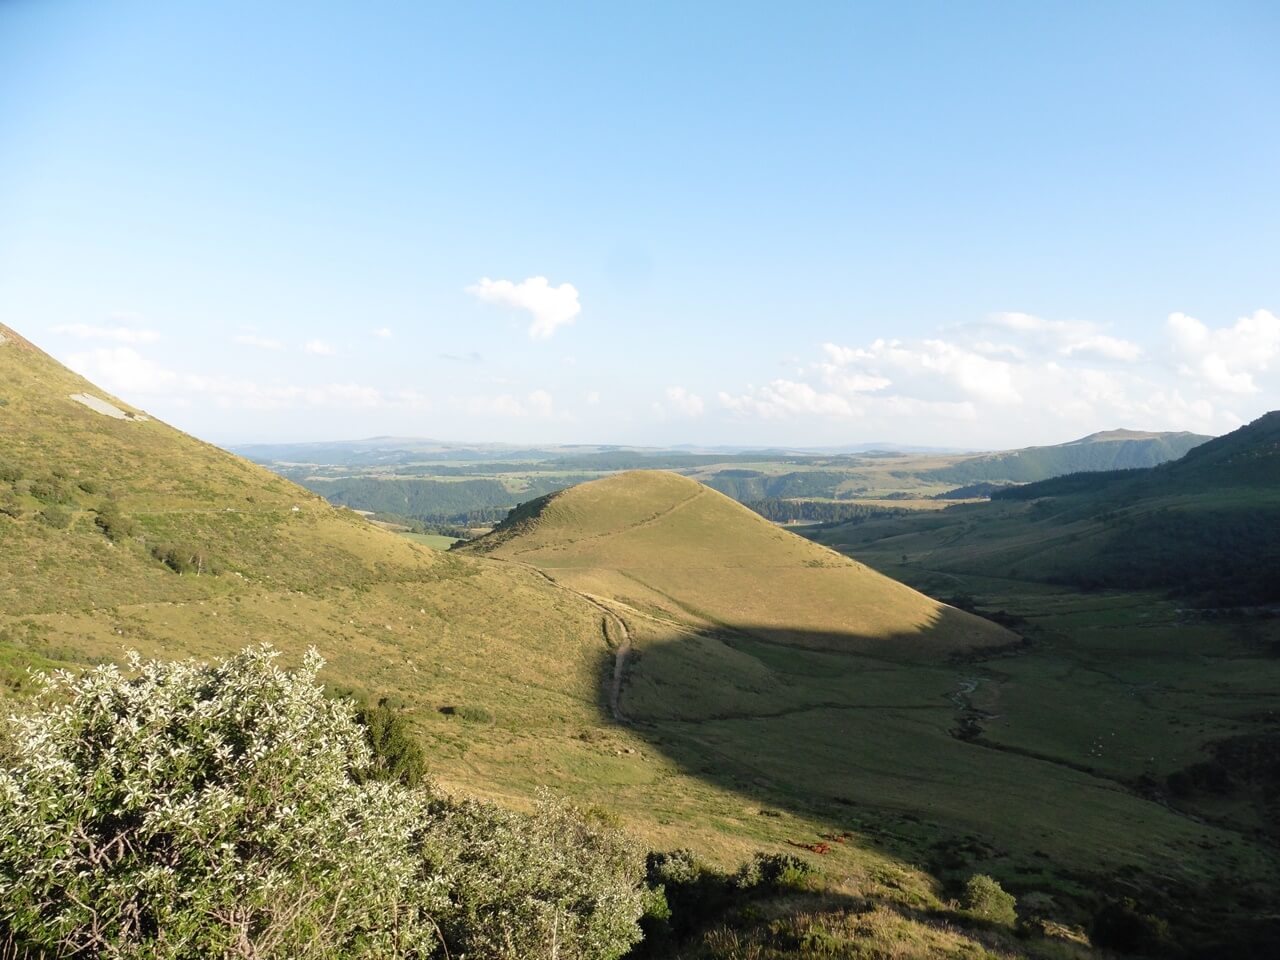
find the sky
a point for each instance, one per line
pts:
(978, 225)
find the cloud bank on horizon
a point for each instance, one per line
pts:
(1015, 374)
(1200, 378)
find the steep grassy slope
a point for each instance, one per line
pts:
(671, 547)
(92, 503)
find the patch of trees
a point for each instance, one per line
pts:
(51, 489)
(1215, 557)
(55, 515)
(983, 488)
(174, 810)
(460, 525)
(397, 754)
(801, 483)
(1102, 483)
(665, 460)
(430, 500)
(1041, 463)
(185, 558)
(820, 511)
(115, 524)
(497, 468)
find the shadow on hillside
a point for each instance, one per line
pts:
(836, 746)
(860, 733)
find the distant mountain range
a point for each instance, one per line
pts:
(1206, 526)
(1109, 450)
(433, 482)
(1133, 448)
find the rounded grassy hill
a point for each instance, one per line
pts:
(670, 547)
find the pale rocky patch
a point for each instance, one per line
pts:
(98, 405)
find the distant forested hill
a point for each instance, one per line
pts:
(1114, 450)
(432, 482)
(1206, 526)
(429, 499)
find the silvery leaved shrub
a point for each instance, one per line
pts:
(175, 810)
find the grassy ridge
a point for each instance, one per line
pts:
(660, 542)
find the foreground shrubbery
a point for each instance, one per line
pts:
(184, 810)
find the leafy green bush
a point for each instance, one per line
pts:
(51, 490)
(56, 516)
(397, 755)
(115, 524)
(1125, 926)
(546, 885)
(183, 810)
(184, 558)
(180, 810)
(774, 870)
(468, 712)
(985, 899)
(687, 895)
(10, 505)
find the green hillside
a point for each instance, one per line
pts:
(640, 644)
(118, 532)
(669, 546)
(916, 741)
(1206, 527)
(1111, 450)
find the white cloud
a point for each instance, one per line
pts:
(680, 402)
(414, 399)
(782, 398)
(382, 333)
(1112, 348)
(122, 370)
(319, 348)
(537, 404)
(551, 307)
(1067, 337)
(593, 397)
(125, 372)
(943, 370)
(1017, 378)
(120, 334)
(253, 340)
(1022, 322)
(1228, 358)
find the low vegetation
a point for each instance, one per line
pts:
(182, 810)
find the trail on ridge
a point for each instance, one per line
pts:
(624, 644)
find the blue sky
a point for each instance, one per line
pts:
(979, 225)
